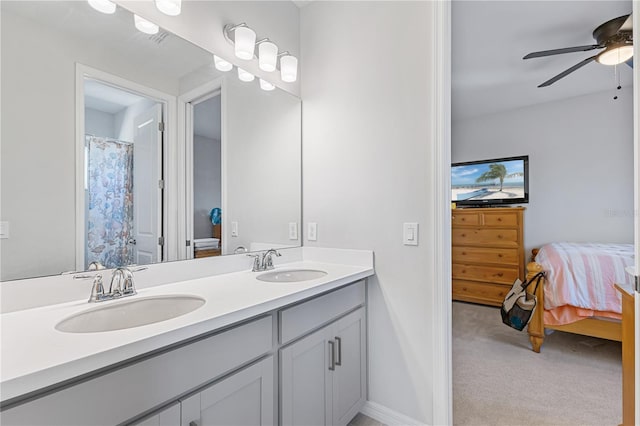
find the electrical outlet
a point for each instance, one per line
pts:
(312, 231)
(293, 230)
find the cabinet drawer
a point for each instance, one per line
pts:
(500, 219)
(502, 256)
(489, 237)
(464, 218)
(302, 318)
(493, 274)
(485, 293)
(140, 387)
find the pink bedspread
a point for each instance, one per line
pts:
(580, 278)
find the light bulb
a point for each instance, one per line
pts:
(289, 68)
(245, 76)
(267, 56)
(104, 6)
(616, 55)
(245, 42)
(265, 85)
(169, 7)
(145, 26)
(221, 64)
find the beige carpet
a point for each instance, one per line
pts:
(499, 380)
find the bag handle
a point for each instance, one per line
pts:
(536, 277)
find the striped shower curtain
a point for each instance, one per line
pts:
(110, 201)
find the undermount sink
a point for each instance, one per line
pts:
(291, 276)
(130, 313)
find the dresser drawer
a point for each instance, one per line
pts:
(465, 218)
(493, 274)
(501, 256)
(485, 293)
(488, 237)
(505, 219)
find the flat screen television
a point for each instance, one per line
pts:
(495, 182)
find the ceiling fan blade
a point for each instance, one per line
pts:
(628, 24)
(568, 71)
(563, 50)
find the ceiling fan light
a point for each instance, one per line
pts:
(616, 55)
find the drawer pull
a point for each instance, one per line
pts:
(500, 274)
(500, 255)
(339, 350)
(332, 355)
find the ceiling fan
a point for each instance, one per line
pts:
(614, 36)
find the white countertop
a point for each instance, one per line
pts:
(36, 355)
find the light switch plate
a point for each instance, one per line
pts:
(410, 234)
(293, 230)
(234, 229)
(312, 231)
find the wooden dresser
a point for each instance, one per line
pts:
(487, 252)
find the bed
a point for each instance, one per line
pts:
(578, 295)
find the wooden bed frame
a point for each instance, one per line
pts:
(604, 329)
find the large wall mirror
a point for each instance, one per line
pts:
(122, 147)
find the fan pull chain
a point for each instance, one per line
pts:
(616, 77)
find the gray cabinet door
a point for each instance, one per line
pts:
(170, 416)
(305, 393)
(244, 398)
(323, 375)
(349, 391)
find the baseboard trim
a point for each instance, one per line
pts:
(386, 415)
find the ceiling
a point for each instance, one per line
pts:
(489, 39)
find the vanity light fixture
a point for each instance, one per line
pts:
(145, 26)
(221, 64)
(288, 68)
(169, 7)
(104, 6)
(245, 75)
(267, 55)
(265, 85)
(243, 39)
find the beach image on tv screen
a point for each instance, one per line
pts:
(491, 180)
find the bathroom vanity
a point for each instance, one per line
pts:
(256, 352)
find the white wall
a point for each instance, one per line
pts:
(99, 123)
(366, 70)
(580, 164)
(206, 184)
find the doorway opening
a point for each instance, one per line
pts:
(206, 156)
(123, 176)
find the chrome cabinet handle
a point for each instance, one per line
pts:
(332, 355)
(339, 350)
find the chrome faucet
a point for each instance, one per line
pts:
(121, 285)
(267, 259)
(263, 262)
